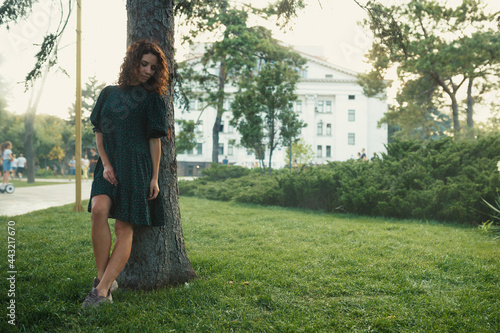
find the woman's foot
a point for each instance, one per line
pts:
(93, 299)
(113, 287)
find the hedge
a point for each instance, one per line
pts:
(444, 180)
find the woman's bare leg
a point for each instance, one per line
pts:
(101, 235)
(121, 252)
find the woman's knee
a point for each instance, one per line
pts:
(123, 229)
(100, 208)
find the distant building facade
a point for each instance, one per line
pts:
(341, 121)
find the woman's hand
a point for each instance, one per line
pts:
(154, 189)
(110, 175)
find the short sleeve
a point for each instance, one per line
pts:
(157, 117)
(95, 116)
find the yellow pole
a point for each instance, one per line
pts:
(78, 109)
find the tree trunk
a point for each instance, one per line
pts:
(29, 150)
(29, 122)
(454, 110)
(470, 104)
(215, 139)
(220, 111)
(158, 255)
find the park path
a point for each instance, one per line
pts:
(28, 199)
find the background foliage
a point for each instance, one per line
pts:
(442, 180)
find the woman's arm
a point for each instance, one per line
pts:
(108, 173)
(155, 150)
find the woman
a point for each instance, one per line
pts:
(128, 120)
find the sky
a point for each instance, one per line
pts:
(331, 25)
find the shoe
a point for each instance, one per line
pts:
(113, 287)
(93, 300)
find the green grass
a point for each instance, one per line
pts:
(267, 269)
(23, 183)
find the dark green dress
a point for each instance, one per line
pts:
(127, 119)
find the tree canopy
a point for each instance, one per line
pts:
(437, 50)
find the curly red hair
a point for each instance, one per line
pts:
(130, 67)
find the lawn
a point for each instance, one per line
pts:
(38, 182)
(267, 269)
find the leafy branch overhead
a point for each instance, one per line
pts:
(46, 57)
(440, 48)
(14, 10)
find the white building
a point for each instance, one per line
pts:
(341, 121)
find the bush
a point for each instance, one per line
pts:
(444, 180)
(43, 173)
(221, 172)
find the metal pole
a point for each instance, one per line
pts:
(78, 110)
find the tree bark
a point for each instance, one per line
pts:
(158, 256)
(29, 122)
(220, 111)
(29, 150)
(470, 104)
(454, 108)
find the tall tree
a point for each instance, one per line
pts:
(222, 59)
(159, 255)
(267, 91)
(426, 39)
(46, 58)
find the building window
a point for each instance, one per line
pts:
(221, 149)
(199, 148)
(328, 129)
(199, 126)
(201, 104)
(192, 104)
(351, 115)
(320, 106)
(303, 73)
(230, 149)
(351, 139)
(320, 128)
(328, 107)
(352, 97)
(230, 129)
(221, 128)
(328, 151)
(298, 106)
(319, 151)
(229, 104)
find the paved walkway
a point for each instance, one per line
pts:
(27, 199)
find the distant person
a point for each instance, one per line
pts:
(359, 157)
(6, 152)
(85, 167)
(13, 167)
(374, 157)
(125, 185)
(225, 161)
(93, 161)
(363, 155)
(21, 165)
(72, 167)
